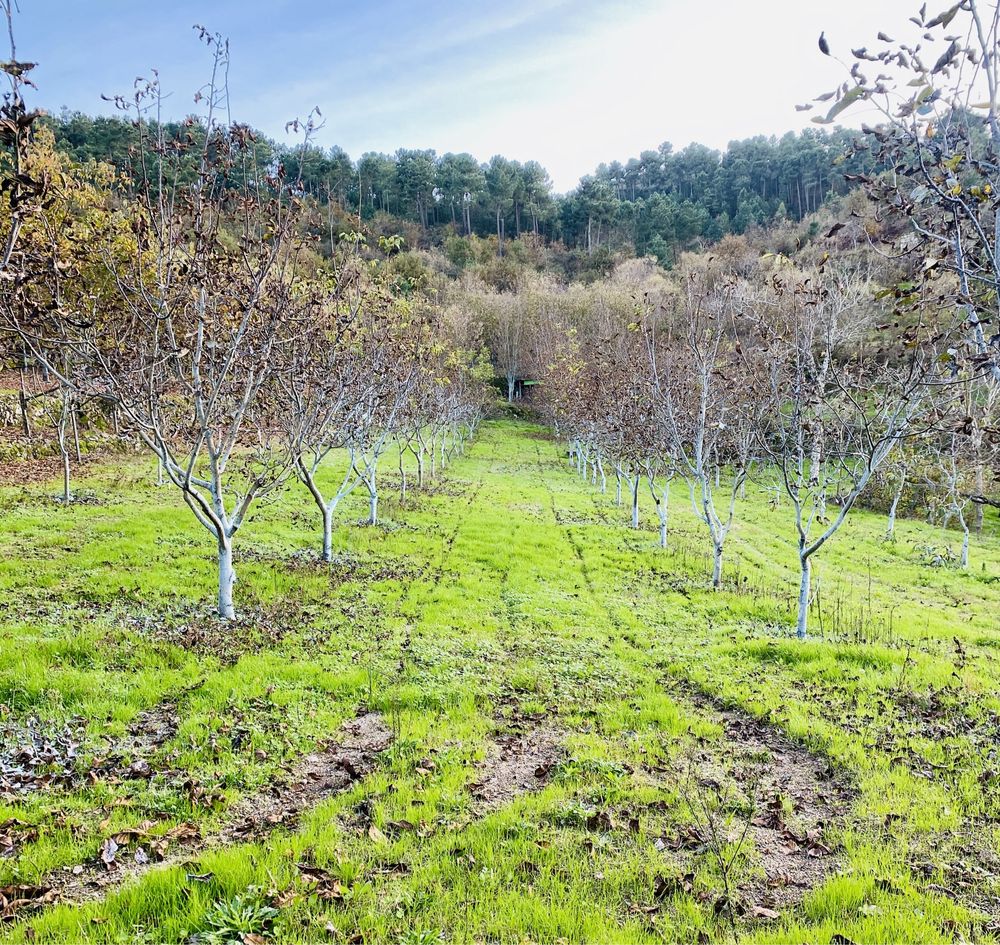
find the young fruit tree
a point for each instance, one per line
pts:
(392, 344)
(839, 402)
(935, 84)
(206, 265)
(323, 388)
(707, 408)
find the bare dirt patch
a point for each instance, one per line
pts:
(131, 853)
(516, 762)
(316, 776)
(782, 800)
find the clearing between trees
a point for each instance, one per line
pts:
(504, 715)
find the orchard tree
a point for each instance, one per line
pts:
(209, 278)
(840, 401)
(938, 93)
(391, 344)
(706, 403)
(509, 320)
(323, 386)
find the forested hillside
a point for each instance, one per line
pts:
(659, 203)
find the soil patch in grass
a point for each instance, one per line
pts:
(128, 854)
(516, 762)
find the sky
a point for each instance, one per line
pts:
(569, 83)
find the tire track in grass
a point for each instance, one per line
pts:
(132, 853)
(758, 763)
(576, 547)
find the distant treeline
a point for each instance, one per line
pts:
(661, 203)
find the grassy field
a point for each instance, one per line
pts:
(582, 741)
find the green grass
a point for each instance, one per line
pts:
(507, 583)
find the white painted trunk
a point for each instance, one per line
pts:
(663, 509)
(327, 534)
(635, 502)
(227, 577)
(66, 493)
(716, 566)
(803, 620)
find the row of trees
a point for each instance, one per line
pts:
(765, 370)
(827, 378)
(195, 306)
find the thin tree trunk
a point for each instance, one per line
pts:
(890, 531)
(327, 533)
(22, 399)
(227, 577)
(635, 500)
(63, 445)
(804, 585)
(663, 511)
(76, 436)
(65, 461)
(980, 509)
(964, 559)
(402, 476)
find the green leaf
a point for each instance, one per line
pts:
(858, 92)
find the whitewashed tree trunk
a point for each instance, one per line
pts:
(890, 531)
(66, 496)
(963, 523)
(327, 534)
(801, 624)
(227, 577)
(402, 475)
(61, 435)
